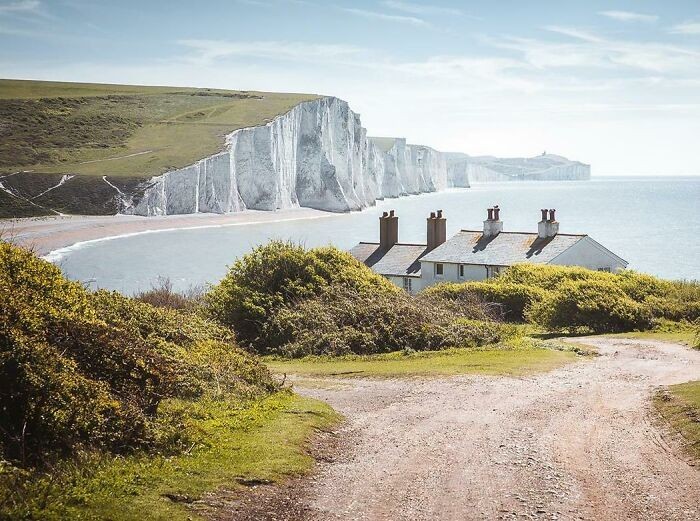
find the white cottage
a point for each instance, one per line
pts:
(477, 254)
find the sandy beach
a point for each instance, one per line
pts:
(48, 234)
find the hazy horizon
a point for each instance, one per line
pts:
(612, 84)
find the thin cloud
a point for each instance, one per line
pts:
(574, 33)
(206, 51)
(419, 9)
(375, 15)
(588, 50)
(686, 28)
(629, 16)
(24, 6)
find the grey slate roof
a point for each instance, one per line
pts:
(400, 260)
(505, 249)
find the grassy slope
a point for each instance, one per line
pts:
(680, 407)
(264, 442)
(430, 363)
(58, 127)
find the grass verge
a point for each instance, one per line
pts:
(259, 442)
(679, 405)
(509, 362)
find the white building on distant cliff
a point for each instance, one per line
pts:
(477, 255)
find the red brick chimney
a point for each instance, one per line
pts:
(388, 230)
(436, 230)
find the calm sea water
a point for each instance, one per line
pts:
(654, 223)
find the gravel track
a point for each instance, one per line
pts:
(580, 442)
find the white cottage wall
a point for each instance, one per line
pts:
(588, 254)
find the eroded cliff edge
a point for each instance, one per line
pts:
(317, 155)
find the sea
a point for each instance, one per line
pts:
(652, 222)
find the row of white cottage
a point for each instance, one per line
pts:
(477, 254)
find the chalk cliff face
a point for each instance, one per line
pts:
(547, 167)
(317, 155)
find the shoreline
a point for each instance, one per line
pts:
(51, 237)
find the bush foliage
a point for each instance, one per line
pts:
(81, 370)
(323, 301)
(593, 305)
(342, 321)
(572, 298)
(280, 274)
(511, 298)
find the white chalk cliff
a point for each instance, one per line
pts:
(547, 167)
(316, 155)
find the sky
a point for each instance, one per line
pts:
(615, 84)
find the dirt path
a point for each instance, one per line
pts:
(577, 443)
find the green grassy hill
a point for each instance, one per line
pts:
(127, 132)
(81, 128)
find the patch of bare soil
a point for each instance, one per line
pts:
(580, 442)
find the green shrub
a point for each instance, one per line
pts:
(145, 320)
(549, 277)
(590, 305)
(81, 370)
(48, 407)
(227, 370)
(640, 286)
(680, 302)
(277, 274)
(673, 300)
(512, 298)
(343, 321)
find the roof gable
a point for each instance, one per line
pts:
(401, 260)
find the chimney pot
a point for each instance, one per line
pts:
(391, 213)
(493, 225)
(432, 215)
(439, 214)
(548, 227)
(544, 214)
(385, 214)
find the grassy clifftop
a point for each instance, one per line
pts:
(122, 130)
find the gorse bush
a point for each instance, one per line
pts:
(285, 300)
(277, 274)
(548, 277)
(681, 302)
(511, 298)
(81, 370)
(342, 321)
(595, 305)
(574, 298)
(147, 321)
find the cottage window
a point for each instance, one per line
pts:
(606, 269)
(461, 270)
(408, 284)
(492, 271)
(439, 269)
